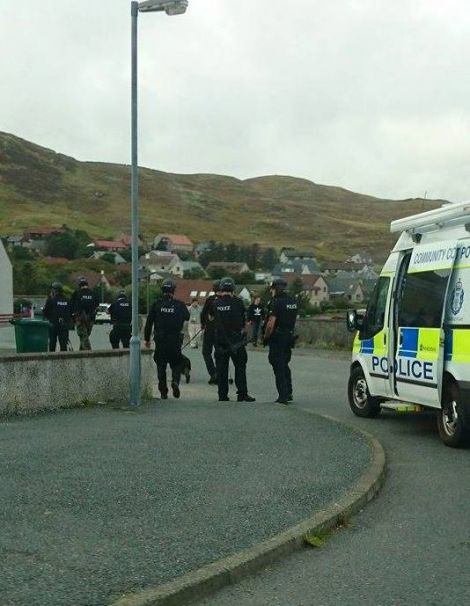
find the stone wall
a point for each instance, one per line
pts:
(42, 381)
(325, 333)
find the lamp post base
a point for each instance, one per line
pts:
(134, 370)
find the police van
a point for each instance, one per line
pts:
(412, 346)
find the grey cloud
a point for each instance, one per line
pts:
(369, 95)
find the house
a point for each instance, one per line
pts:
(202, 247)
(36, 237)
(297, 266)
(187, 290)
(94, 279)
(118, 260)
(245, 293)
(15, 240)
(6, 290)
(314, 286)
(160, 261)
(173, 243)
(108, 245)
(331, 268)
(180, 268)
(290, 254)
(347, 286)
(360, 258)
(228, 267)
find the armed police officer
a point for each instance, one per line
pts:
(279, 335)
(58, 311)
(84, 306)
(167, 315)
(208, 340)
(121, 318)
(230, 340)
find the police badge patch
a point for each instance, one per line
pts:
(457, 297)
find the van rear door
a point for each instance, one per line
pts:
(419, 307)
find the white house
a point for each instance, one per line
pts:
(6, 286)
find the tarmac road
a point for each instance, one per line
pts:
(411, 546)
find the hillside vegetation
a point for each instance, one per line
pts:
(40, 187)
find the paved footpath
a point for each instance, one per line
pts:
(410, 546)
(97, 502)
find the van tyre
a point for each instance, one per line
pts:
(453, 419)
(361, 402)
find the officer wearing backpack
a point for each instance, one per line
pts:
(230, 340)
(167, 316)
(84, 306)
(57, 310)
(279, 335)
(121, 318)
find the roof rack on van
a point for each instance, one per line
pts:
(434, 219)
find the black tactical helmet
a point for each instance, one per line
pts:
(279, 285)
(216, 285)
(227, 285)
(168, 286)
(82, 281)
(57, 286)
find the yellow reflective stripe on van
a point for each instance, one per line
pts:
(356, 343)
(428, 343)
(380, 343)
(376, 346)
(461, 346)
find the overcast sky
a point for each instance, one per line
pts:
(370, 95)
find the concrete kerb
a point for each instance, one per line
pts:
(208, 579)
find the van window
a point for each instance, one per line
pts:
(423, 298)
(375, 315)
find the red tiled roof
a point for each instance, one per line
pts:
(44, 231)
(177, 239)
(308, 280)
(185, 288)
(109, 244)
(93, 278)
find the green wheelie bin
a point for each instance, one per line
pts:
(31, 335)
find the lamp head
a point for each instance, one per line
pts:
(171, 7)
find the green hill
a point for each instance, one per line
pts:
(41, 187)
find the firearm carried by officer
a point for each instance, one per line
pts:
(121, 318)
(57, 310)
(230, 341)
(167, 316)
(208, 326)
(84, 306)
(279, 335)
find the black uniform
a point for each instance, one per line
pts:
(255, 316)
(57, 310)
(284, 308)
(230, 343)
(84, 306)
(121, 318)
(208, 341)
(168, 316)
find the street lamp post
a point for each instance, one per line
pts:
(102, 286)
(171, 7)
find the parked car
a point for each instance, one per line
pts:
(102, 315)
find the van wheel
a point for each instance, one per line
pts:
(361, 402)
(453, 420)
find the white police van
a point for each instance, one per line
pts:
(413, 343)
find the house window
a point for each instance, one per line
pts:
(203, 293)
(193, 293)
